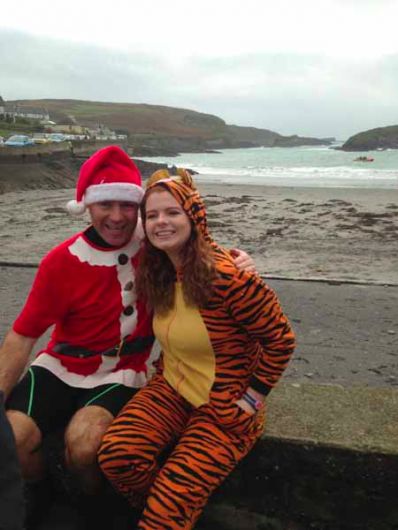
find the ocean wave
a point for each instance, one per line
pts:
(302, 166)
(297, 172)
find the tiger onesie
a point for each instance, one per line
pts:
(210, 356)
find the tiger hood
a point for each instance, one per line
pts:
(182, 187)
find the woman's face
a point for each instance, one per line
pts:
(167, 226)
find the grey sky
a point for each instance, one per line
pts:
(325, 68)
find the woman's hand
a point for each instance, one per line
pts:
(241, 403)
(251, 401)
(242, 260)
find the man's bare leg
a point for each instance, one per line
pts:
(28, 439)
(37, 491)
(83, 437)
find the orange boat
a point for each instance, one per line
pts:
(364, 159)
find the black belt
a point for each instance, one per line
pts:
(137, 345)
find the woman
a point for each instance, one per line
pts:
(225, 344)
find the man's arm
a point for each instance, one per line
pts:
(14, 355)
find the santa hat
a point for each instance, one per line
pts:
(108, 175)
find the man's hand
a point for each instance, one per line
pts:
(242, 260)
(14, 355)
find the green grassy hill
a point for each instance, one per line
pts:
(380, 138)
(161, 128)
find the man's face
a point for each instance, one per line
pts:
(115, 221)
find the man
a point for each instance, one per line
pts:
(100, 350)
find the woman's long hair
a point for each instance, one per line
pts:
(156, 274)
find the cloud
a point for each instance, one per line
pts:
(291, 93)
(178, 28)
(37, 67)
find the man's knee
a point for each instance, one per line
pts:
(27, 434)
(28, 440)
(84, 435)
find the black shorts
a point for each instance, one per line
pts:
(51, 403)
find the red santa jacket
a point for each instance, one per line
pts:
(87, 291)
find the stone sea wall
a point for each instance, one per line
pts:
(328, 461)
(54, 166)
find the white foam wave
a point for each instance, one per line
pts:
(315, 172)
(303, 166)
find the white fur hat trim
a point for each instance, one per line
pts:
(113, 191)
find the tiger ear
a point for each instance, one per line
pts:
(160, 174)
(186, 177)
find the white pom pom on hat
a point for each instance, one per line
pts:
(109, 174)
(75, 208)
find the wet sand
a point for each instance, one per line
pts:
(343, 234)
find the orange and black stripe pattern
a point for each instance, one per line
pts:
(252, 343)
(203, 446)
(251, 337)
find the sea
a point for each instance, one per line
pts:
(305, 166)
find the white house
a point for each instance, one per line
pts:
(22, 111)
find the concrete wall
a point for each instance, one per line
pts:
(15, 154)
(36, 152)
(327, 461)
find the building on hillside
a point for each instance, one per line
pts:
(30, 113)
(102, 132)
(70, 129)
(9, 110)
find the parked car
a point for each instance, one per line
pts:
(56, 137)
(41, 138)
(19, 140)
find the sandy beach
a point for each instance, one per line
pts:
(340, 234)
(347, 332)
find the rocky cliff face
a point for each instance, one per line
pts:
(380, 138)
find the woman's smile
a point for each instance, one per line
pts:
(167, 225)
